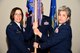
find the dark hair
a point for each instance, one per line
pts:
(13, 12)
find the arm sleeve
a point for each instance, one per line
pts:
(56, 38)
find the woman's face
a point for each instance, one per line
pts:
(18, 16)
(62, 17)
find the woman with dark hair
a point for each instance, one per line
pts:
(15, 33)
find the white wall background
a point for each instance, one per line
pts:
(7, 5)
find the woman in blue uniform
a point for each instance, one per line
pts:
(16, 34)
(60, 41)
